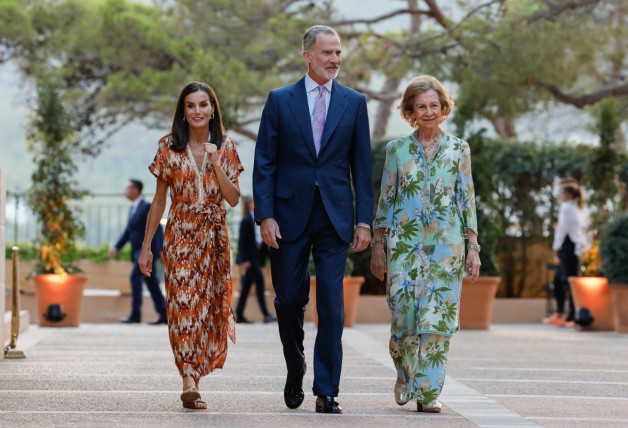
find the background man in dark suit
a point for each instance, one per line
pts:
(134, 233)
(313, 145)
(251, 257)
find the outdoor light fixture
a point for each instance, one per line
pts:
(54, 313)
(584, 317)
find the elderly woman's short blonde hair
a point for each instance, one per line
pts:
(418, 85)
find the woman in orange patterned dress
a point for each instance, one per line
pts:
(200, 166)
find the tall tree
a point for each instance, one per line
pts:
(123, 61)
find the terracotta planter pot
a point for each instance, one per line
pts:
(351, 294)
(64, 290)
(476, 302)
(620, 304)
(594, 294)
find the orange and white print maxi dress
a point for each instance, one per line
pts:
(197, 264)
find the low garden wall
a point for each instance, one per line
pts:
(108, 298)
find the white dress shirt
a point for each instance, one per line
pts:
(258, 233)
(134, 206)
(573, 221)
(311, 88)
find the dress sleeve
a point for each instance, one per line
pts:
(388, 194)
(465, 192)
(160, 167)
(230, 161)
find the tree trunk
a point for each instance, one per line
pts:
(384, 109)
(504, 127)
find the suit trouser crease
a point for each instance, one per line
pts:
(289, 266)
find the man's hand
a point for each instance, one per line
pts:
(361, 239)
(244, 267)
(269, 229)
(112, 253)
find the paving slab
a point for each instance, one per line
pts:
(113, 375)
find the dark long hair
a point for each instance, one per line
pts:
(573, 190)
(180, 129)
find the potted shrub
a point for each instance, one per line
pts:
(614, 254)
(59, 290)
(477, 298)
(591, 290)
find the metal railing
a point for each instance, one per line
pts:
(105, 215)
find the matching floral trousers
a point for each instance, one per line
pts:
(421, 361)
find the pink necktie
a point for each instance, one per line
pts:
(318, 118)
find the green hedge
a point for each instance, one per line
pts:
(28, 251)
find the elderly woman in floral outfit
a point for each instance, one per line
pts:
(426, 210)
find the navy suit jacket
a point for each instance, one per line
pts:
(134, 233)
(248, 251)
(287, 168)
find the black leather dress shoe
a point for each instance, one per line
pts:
(130, 320)
(269, 318)
(327, 404)
(293, 391)
(242, 320)
(161, 320)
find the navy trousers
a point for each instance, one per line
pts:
(152, 282)
(252, 275)
(291, 280)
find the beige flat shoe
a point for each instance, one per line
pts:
(401, 390)
(433, 406)
(555, 319)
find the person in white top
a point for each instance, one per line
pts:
(570, 239)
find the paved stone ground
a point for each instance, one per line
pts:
(108, 375)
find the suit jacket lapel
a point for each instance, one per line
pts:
(299, 107)
(133, 216)
(337, 106)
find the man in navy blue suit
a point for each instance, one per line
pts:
(134, 233)
(313, 145)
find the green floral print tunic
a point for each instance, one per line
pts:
(427, 208)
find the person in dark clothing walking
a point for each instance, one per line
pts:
(134, 233)
(251, 257)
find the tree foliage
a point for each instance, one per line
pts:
(123, 61)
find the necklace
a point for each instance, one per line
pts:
(430, 144)
(430, 147)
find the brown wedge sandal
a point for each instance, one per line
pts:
(191, 399)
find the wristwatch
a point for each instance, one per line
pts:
(474, 246)
(377, 241)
